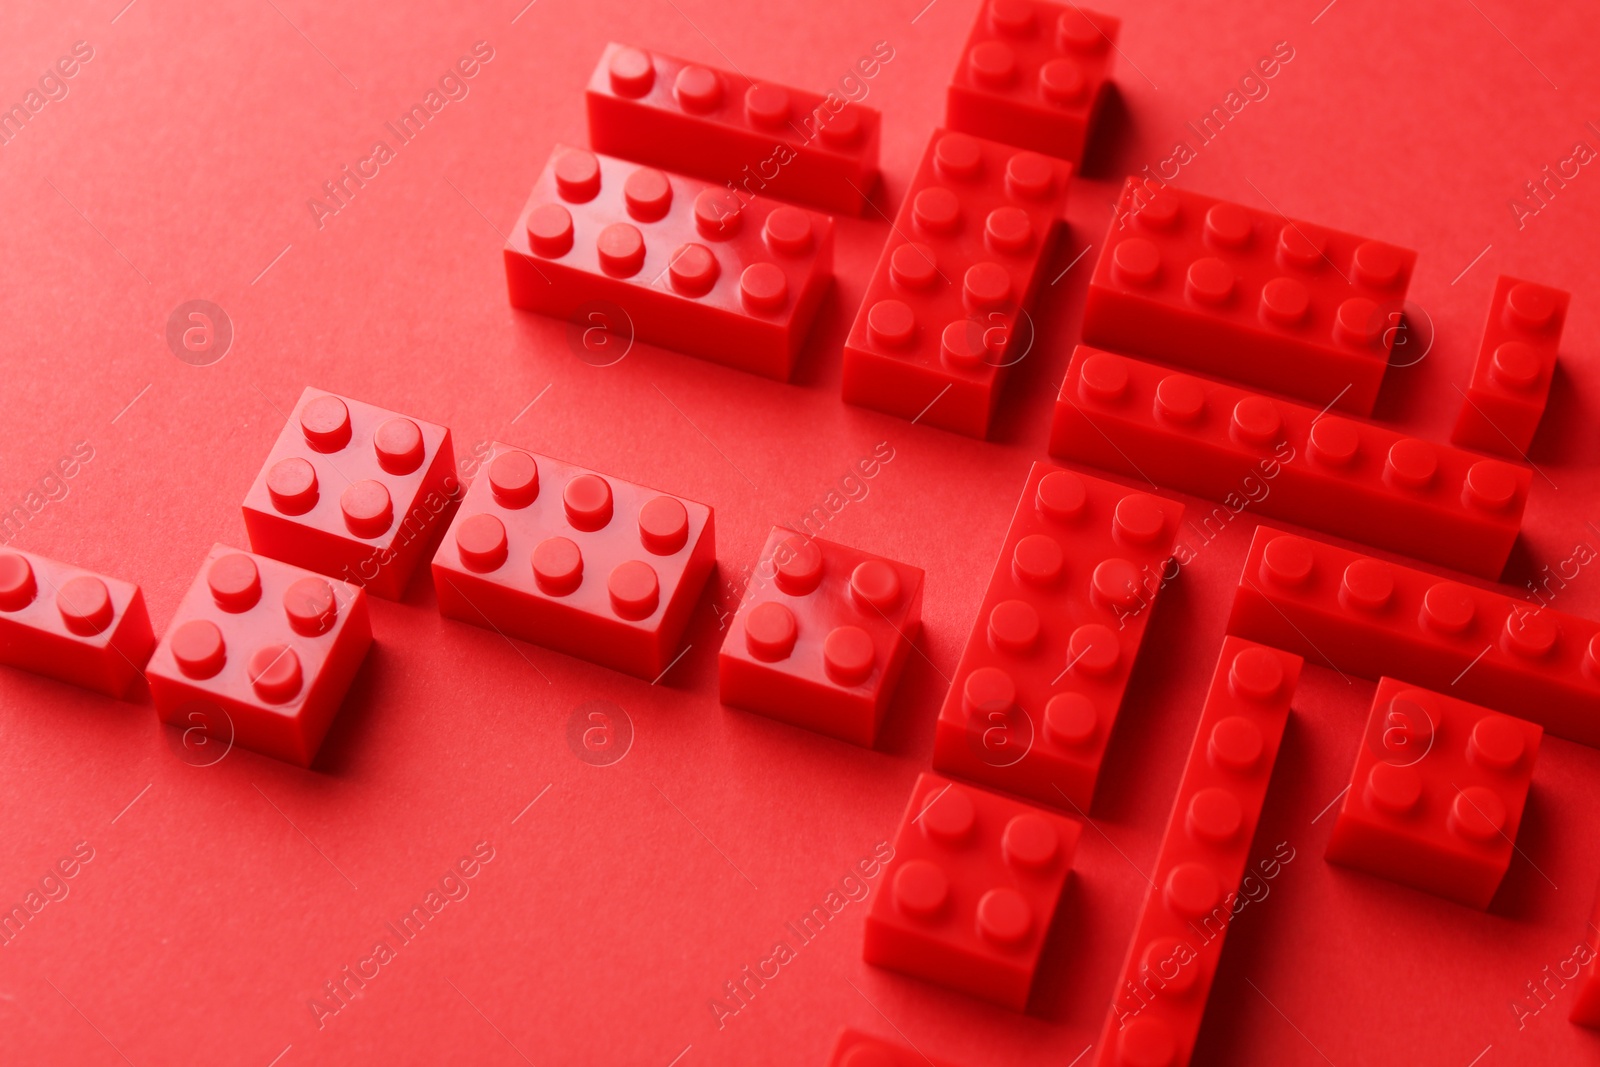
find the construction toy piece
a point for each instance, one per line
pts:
(1437, 794)
(271, 646)
(1511, 378)
(68, 623)
(971, 892)
(1033, 74)
(637, 253)
(1331, 473)
(1248, 295)
(857, 1049)
(821, 636)
(1371, 618)
(1041, 680)
(944, 316)
(353, 491)
(757, 138)
(1586, 999)
(586, 564)
(1156, 1012)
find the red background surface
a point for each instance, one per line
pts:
(217, 904)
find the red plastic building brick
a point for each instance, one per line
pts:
(1042, 677)
(580, 562)
(821, 636)
(1033, 74)
(352, 491)
(1586, 1000)
(272, 646)
(1331, 473)
(1248, 295)
(857, 1049)
(1437, 794)
(1372, 618)
(972, 890)
(68, 623)
(943, 318)
(683, 264)
(756, 138)
(1156, 1012)
(1511, 377)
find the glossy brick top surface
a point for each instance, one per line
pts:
(567, 535)
(1525, 659)
(980, 872)
(1255, 270)
(804, 591)
(1049, 656)
(759, 110)
(1442, 773)
(964, 254)
(61, 600)
(256, 630)
(1529, 318)
(680, 236)
(1369, 475)
(348, 468)
(1054, 57)
(1173, 954)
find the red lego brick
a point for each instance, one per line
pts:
(754, 137)
(1586, 999)
(857, 1049)
(1155, 1014)
(683, 264)
(1372, 618)
(972, 890)
(944, 316)
(1437, 794)
(1331, 473)
(272, 646)
(352, 491)
(1511, 378)
(68, 623)
(1248, 295)
(581, 562)
(820, 636)
(1033, 74)
(1039, 685)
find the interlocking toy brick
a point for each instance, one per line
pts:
(944, 317)
(857, 1049)
(753, 137)
(972, 890)
(1437, 794)
(1172, 958)
(271, 646)
(1274, 457)
(1371, 618)
(1586, 997)
(581, 562)
(1039, 685)
(352, 491)
(1033, 74)
(1248, 295)
(71, 624)
(1510, 382)
(821, 636)
(638, 253)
